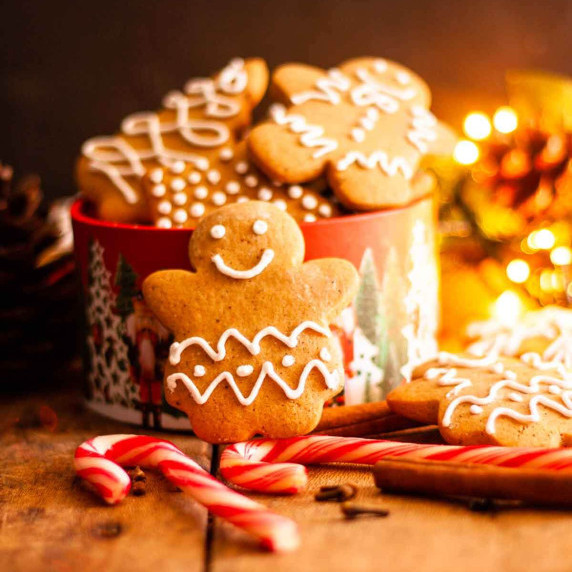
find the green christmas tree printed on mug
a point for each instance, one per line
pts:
(126, 347)
(395, 319)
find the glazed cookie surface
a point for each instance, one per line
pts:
(365, 125)
(193, 126)
(501, 401)
(253, 352)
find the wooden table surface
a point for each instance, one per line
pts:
(49, 521)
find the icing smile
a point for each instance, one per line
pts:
(265, 260)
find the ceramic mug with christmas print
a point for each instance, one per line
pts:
(391, 325)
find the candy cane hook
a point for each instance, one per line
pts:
(99, 462)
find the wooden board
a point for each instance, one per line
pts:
(419, 535)
(49, 521)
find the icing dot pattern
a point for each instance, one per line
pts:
(184, 197)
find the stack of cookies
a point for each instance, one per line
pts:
(337, 141)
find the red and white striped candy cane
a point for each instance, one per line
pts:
(249, 464)
(99, 462)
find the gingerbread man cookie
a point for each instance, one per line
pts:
(253, 352)
(501, 401)
(194, 125)
(366, 125)
(182, 199)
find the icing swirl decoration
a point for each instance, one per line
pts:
(265, 260)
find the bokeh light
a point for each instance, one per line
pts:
(505, 120)
(477, 126)
(466, 152)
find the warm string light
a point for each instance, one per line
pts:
(544, 272)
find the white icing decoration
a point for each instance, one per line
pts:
(310, 135)
(218, 198)
(180, 216)
(201, 193)
(325, 354)
(403, 77)
(295, 191)
(164, 207)
(197, 210)
(158, 190)
(309, 202)
(325, 210)
(513, 396)
(119, 160)
(332, 380)
(251, 181)
(178, 184)
(180, 199)
(476, 409)
(156, 176)
(253, 346)
(244, 370)
(288, 360)
(199, 371)
(358, 135)
(381, 159)
(260, 227)
(213, 177)
(232, 187)
(325, 89)
(265, 260)
(177, 167)
(164, 222)
(422, 128)
(218, 231)
(241, 167)
(194, 178)
(265, 194)
(226, 154)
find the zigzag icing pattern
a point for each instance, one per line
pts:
(253, 346)
(332, 380)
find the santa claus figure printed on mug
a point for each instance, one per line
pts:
(253, 351)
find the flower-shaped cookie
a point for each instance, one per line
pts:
(366, 125)
(253, 352)
(194, 124)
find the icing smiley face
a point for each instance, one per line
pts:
(247, 243)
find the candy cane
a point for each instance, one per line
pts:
(99, 462)
(249, 464)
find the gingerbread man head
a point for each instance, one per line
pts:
(253, 352)
(365, 125)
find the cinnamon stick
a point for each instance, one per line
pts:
(438, 478)
(363, 419)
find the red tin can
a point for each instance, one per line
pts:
(391, 325)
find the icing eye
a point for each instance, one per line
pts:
(260, 227)
(218, 231)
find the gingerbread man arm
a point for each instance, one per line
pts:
(168, 294)
(331, 284)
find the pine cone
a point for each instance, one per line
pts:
(37, 283)
(530, 172)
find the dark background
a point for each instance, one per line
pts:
(72, 70)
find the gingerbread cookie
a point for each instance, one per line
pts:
(253, 352)
(501, 401)
(546, 332)
(194, 124)
(182, 199)
(366, 125)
